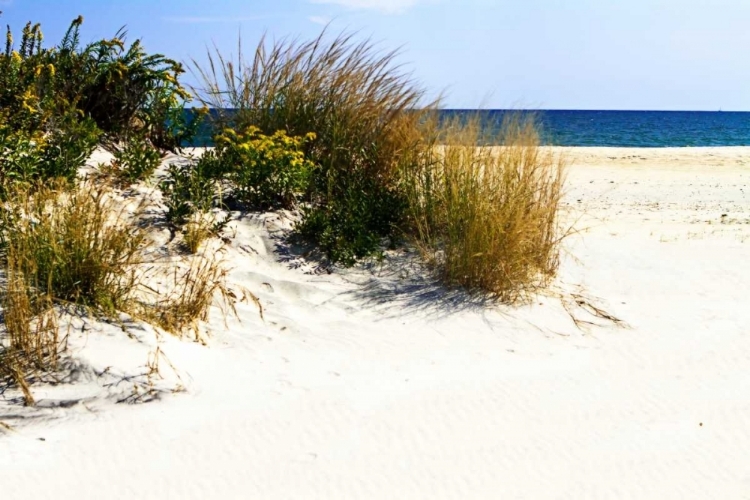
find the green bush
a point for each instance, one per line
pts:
(136, 161)
(344, 228)
(27, 158)
(264, 171)
(123, 90)
(188, 189)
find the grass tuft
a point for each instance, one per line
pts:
(488, 215)
(76, 245)
(192, 293)
(79, 246)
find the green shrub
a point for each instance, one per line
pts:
(136, 161)
(189, 189)
(365, 114)
(123, 90)
(28, 158)
(264, 171)
(343, 228)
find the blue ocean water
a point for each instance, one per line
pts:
(623, 128)
(650, 129)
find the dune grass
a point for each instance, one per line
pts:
(32, 331)
(76, 244)
(386, 167)
(79, 247)
(61, 246)
(487, 216)
(192, 292)
(364, 111)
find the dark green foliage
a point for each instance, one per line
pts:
(189, 189)
(136, 161)
(122, 90)
(68, 147)
(354, 226)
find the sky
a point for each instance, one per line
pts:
(540, 54)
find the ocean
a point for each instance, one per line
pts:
(646, 129)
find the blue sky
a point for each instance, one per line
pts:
(552, 54)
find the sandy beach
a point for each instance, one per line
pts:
(627, 378)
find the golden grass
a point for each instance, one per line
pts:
(196, 231)
(32, 332)
(76, 245)
(488, 215)
(81, 247)
(191, 294)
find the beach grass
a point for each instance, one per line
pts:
(487, 216)
(81, 248)
(76, 244)
(363, 110)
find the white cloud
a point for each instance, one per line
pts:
(209, 19)
(385, 6)
(320, 20)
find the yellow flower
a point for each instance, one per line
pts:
(51, 69)
(15, 57)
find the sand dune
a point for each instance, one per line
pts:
(376, 382)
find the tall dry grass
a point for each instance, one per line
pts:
(192, 292)
(79, 246)
(363, 109)
(487, 216)
(32, 334)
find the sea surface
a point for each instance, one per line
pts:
(649, 129)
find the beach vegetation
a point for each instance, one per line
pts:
(486, 212)
(80, 248)
(119, 87)
(264, 172)
(363, 111)
(332, 127)
(136, 161)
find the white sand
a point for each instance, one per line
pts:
(365, 384)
